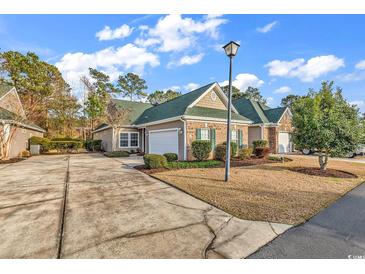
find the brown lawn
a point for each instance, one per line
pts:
(268, 192)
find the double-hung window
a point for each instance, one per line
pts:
(234, 136)
(204, 134)
(129, 139)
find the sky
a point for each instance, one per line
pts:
(279, 54)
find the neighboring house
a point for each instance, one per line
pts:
(271, 124)
(10, 109)
(173, 126)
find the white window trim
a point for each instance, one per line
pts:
(129, 139)
(208, 129)
(234, 140)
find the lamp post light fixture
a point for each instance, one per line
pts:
(231, 50)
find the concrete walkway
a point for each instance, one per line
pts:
(113, 211)
(336, 232)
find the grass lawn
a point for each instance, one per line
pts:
(270, 192)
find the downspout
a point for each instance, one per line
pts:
(262, 131)
(184, 122)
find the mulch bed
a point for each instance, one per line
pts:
(11, 161)
(334, 173)
(143, 169)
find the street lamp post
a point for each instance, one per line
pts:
(231, 50)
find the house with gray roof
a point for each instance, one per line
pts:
(172, 126)
(15, 129)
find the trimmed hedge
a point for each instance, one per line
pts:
(152, 161)
(58, 144)
(220, 152)
(262, 152)
(93, 145)
(245, 153)
(201, 149)
(117, 154)
(234, 148)
(194, 164)
(171, 157)
(260, 143)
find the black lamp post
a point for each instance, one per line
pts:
(231, 50)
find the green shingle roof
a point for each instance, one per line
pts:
(259, 113)
(4, 88)
(133, 109)
(6, 114)
(172, 108)
(213, 113)
(275, 114)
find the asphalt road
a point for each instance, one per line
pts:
(336, 232)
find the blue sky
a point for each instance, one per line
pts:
(280, 54)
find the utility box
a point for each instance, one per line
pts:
(35, 149)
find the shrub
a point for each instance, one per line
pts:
(260, 143)
(25, 153)
(152, 161)
(93, 145)
(234, 148)
(220, 152)
(66, 145)
(194, 164)
(117, 154)
(245, 153)
(201, 149)
(43, 142)
(171, 157)
(262, 152)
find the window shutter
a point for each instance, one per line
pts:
(198, 134)
(212, 137)
(240, 138)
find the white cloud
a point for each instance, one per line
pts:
(360, 65)
(187, 60)
(359, 103)
(306, 71)
(109, 34)
(352, 77)
(146, 42)
(282, 90)
(191, 86)
(245, 80)
(267, 28)
(270, 101)
(175, 33)
(110, 60)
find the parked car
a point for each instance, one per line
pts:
(359, 151)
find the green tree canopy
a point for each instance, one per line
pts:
(249, 93)
(131, 85)
(324, 121)
(99, 90)
(159, 96)
(36, 81)
(289, 100)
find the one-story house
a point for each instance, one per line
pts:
(21, 130)
(271, 124)
(172, 126)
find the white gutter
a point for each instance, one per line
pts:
(23, 125)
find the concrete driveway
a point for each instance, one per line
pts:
(112, 211)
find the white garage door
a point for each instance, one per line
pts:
(284, 142)
(165, 141)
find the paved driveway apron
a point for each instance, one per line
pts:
(113, 211)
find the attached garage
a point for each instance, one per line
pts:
(284, 142)
(163, 141)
